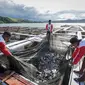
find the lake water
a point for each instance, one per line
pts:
(39, 25)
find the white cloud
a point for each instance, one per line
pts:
(67, 16)
(11, 9)
(83, 15)
(17, 11)
(53, 5)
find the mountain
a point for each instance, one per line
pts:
(70, 21)
(13, 20)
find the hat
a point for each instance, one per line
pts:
(73, 40)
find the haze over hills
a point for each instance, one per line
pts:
(16, 20)
(71, 21)
(13, 20)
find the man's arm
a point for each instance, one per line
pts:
(46, 26)
(51, 28)
(4, 49)
(78, 54)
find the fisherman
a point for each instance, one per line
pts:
(4, 38)
(78, 53)
(49, 28)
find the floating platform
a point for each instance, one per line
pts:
(58, 50)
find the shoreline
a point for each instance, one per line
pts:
(27, 30)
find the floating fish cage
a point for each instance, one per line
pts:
(48, 63)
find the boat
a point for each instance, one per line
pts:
(48, 63)
(12, 78)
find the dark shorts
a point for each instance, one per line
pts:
(48, 32)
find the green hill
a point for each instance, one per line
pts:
(12, 20)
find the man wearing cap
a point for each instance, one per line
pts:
(78, 53)
(3, 39)
(13, 62)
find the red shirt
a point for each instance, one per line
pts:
(3, 47)
(79, 52)
(49, 27)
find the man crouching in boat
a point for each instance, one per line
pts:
(78, 53)
(13, 63)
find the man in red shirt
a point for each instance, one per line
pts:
(3, 39)
(78, 53)
(49, 28)
(13, 62)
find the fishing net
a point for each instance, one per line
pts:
(39, 63)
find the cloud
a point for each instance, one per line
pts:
(10, 9)
(17, 11)
(71, 14)
(67, 16)
(82, 15)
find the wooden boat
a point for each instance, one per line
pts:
(13, 78)
(57, 49)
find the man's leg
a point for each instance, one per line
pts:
(48, 36)
(2, 68)
(81, 79)
(14, 64)
(3, 64)
(82, 68)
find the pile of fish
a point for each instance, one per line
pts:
(50, 65)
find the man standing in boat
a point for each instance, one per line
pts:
(78, 53)
(13, 63)
(49, 28)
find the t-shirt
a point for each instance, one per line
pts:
(3, 47)
(79, 52)
(49, 27)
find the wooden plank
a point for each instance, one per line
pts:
(15, 79)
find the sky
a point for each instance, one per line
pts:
(53, 5)
(43, 9)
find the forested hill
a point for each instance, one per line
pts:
(16, 20)
(13, 20)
